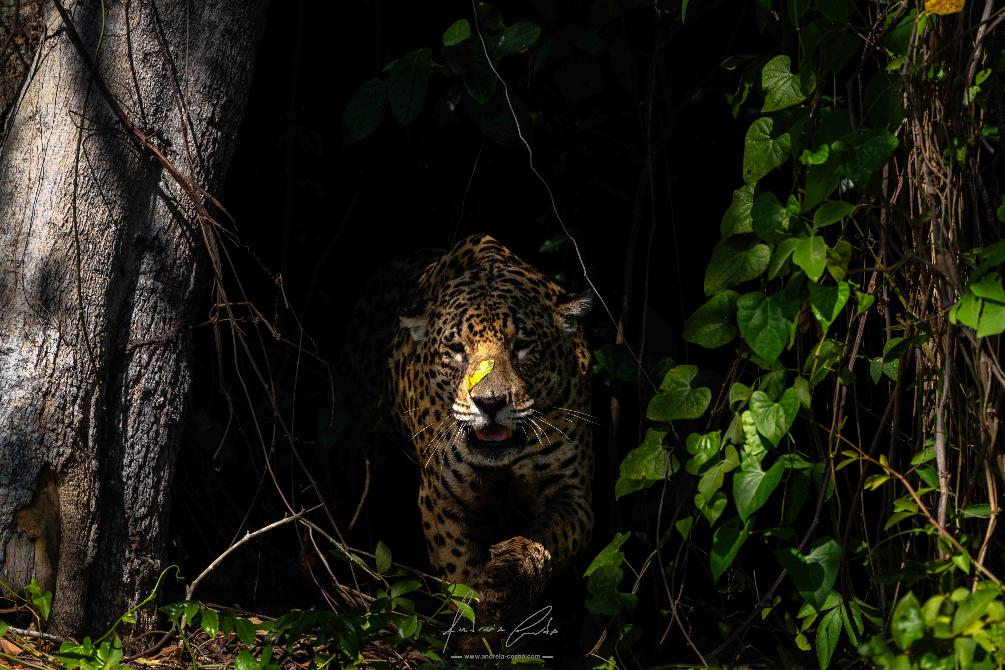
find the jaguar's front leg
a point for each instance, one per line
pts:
(520, 568)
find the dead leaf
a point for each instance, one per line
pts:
(943, 7)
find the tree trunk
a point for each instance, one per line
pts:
(90, 421)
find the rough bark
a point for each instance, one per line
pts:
(87, 451)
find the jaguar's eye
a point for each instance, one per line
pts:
(456, 347)
(522, 344)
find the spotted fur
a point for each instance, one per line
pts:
(502, 515)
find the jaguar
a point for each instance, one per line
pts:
(485, 367)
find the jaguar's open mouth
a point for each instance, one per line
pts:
(495, 436)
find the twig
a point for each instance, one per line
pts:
(924, 510)
(248, 536)
(940, 430)
(37, 635)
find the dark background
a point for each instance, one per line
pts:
(326, 217)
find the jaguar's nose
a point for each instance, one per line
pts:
(490, 404)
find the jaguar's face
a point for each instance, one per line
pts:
(497, 363)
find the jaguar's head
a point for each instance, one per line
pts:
(499, 347)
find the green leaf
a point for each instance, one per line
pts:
(763, 324)
(783, 251)
(736, 220)
(828, 633)
(406, 90)
(898, 39)
(770, 218)
(828, 301)
(726, 542)
(831, 212)
(683, 526)
(702, 448)
(835, 10)
(709, 325)
(383, 556)
(821, 180)
(515, 38)
(554, 243)
(814, 574)
(866, 154)
(802, 389)
(739, 394)
(815, 158)
(210, 622)
(907, 625)
(734, 261)
(458, 31)
(645, 465)
(490, 17)
(811, 255)
(764, 149)
(989, 287)
(979, 510)
(773, 420)
(409, 626)
(245, 661)
(838, 259)
(603, 584)
(752, 486)
(363, 112)
(712, 508)
(822, 360)
(891, 365)
(967, 311)
(711, 481)
(972, 608)
(42, 601)
(677, 400)
(796, 9)
(468, 58)
(245, 631)
(782, 87)
(401, 588)
(609, 555)
(864, 301)
(992, 319)
(884, 101)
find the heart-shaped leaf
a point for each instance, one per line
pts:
(709, 326)
(735, 260)
(736, 220)
(763, 324)
(831, 212)
(714, 508)
(712, 480)
(752, 486)
(828, 301)
(764, 148)
(609, 555)
(838, 259)
(815, 573)
(726, 543)
(702, 448)
(770, 218)
(771, 419)
(783, 251)
(811, 255)
(676, 399)
(781, 86)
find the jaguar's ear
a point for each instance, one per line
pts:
(572, 307)
(416, 325)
